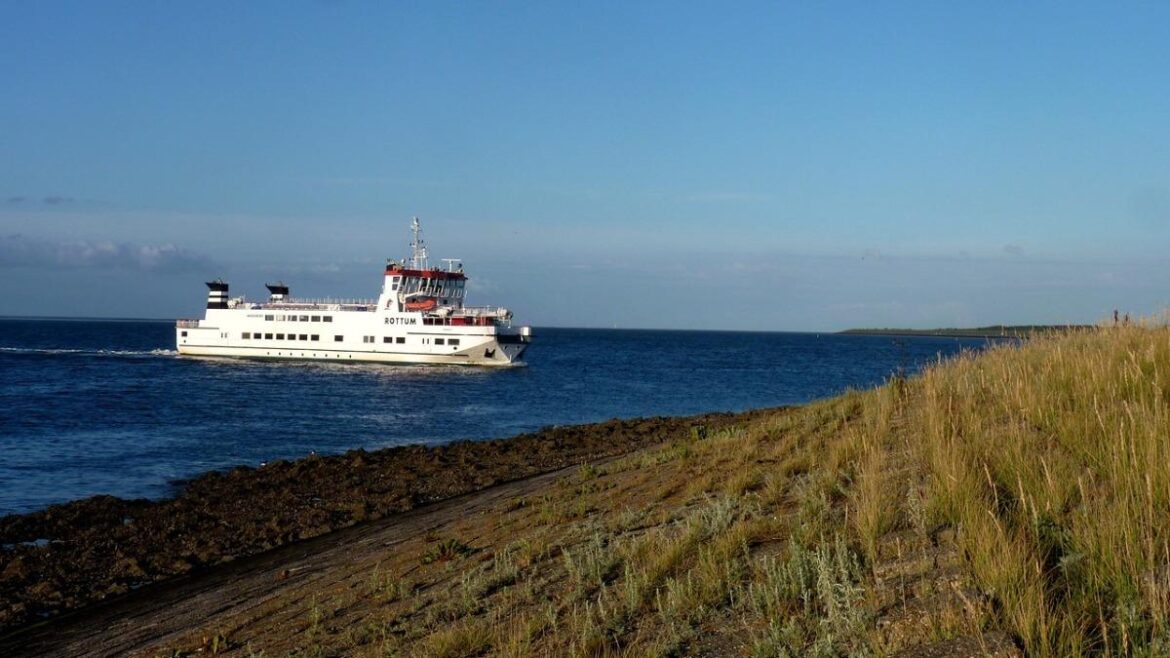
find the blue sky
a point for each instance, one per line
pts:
(772, 166)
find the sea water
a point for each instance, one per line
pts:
(108, 407)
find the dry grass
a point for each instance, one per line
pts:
(1054, 460)
(1049, 462)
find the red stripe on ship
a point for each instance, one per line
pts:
(425, 274)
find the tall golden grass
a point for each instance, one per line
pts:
(1053, 460)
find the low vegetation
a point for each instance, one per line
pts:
(1014, 502)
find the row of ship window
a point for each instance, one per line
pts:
(257, 336)
(248, 335)
(298, 318)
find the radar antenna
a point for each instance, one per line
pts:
(418, 249)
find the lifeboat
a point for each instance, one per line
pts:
(421, 304)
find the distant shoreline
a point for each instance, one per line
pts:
(993, 331)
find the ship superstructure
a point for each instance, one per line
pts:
(420, 317)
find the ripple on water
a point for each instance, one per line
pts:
(95, 407)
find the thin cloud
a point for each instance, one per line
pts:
(728, 197)
(23, 251)
(48, 200)
(373, 181)
(307, 269)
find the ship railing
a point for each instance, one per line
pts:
(478, 311)
(187, 324)
(332, 300)
(479, 316)
(328, 303)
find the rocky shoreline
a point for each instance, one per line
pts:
(70, 555)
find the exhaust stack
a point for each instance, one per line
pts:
(278, 292)
(217, 294)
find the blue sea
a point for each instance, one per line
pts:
(107, 407)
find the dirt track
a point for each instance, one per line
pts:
(245, 588)
(151, 551)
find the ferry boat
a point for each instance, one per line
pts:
(420, 317)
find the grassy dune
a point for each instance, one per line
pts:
(1054, 460)
(1013, 502)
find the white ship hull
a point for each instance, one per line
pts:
(419, 317)
(507, 355)
(352, 336)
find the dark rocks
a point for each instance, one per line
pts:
(86, 550)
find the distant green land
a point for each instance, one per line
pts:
(997, 330)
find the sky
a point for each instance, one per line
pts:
(745, 166)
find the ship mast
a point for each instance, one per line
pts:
(418, 249)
